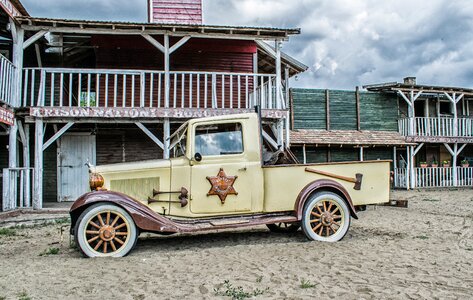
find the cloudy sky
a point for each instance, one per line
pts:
(344, 42)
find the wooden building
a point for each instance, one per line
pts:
(337, 126)
(438, 120)
(426, 130)
(108, 92)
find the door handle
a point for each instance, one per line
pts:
(242, 169)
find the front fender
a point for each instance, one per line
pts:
(326, 185)
(144, 217)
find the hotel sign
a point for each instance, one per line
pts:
(9, 8)
(143, 113)
(7, 116)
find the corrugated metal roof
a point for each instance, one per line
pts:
(348, 137)
(262, 32)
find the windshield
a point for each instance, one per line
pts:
(178, 142)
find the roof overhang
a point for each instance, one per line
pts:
(126, 28)
(430, 89)
(348, 138)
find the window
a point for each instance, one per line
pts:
(219, 139)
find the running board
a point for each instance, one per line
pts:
(226, 223)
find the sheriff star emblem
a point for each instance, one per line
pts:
(222, 185)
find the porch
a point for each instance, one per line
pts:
(436, 127)
(435, 177)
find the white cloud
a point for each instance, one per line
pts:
(345, 42)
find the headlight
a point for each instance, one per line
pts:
(96, 181)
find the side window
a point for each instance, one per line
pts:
(219, 139)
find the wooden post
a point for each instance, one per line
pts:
(18, 41)
(408, 167)
(304, 154)
(361, 154)
(278, 75)
(454, 163)
(12, 163)
(38, 165)
(358, 118)
(27, 165)
(167, 134)
(395, 166)
(327, 109)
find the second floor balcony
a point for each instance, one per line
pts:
(101, 88)
(436, 127)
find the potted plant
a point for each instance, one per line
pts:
(446, 164)
(434, 164)
(465, 163)
(423, 164)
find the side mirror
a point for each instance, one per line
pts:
(198, 157)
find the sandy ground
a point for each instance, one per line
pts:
(423, 252)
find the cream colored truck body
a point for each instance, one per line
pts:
(260, 189)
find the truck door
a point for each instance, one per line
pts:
(227, 179)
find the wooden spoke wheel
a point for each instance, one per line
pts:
(326, 217)
(284, 227)
(105, 230)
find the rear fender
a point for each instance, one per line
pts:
(323, 185)
(144, 218)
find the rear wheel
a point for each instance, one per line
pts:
(105, 230)
(326, 217)
(284, 227)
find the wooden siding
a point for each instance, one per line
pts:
(176, 11)
(126, 145)
(378, 111)
(309, 109)
(343, 110)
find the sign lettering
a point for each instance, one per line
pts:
(143, 113)
(9, 8)
(7, 116)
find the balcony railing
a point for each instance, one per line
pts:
(53, 87)
(435, 177)
(436, 127)
(7, 78)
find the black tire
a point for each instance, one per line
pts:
(284, 227)
(114, 237)
(325, 212)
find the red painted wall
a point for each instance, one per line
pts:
(175, 11)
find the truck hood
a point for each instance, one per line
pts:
(131, 166)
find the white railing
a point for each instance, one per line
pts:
(435, 177)
(17, 187)
(143, 88)
(400, 178)
(7, 80)
(437, 127)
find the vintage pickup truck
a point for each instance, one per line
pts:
(217, 178)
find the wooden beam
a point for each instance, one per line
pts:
(57, 135)
(38, 56)
(266, 48)
(180, 43)
(34, 38)
(327, 108)
(417, 149)
(449, 149)
(166, 138)
(358, 119)
(150, 135)
(270, 140)
(153, 42)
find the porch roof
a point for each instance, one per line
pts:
(395, 87)
(115, 27)
(348, 137)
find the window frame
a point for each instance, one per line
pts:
(234, 122)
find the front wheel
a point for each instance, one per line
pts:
(105, 230)
(326, 217)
